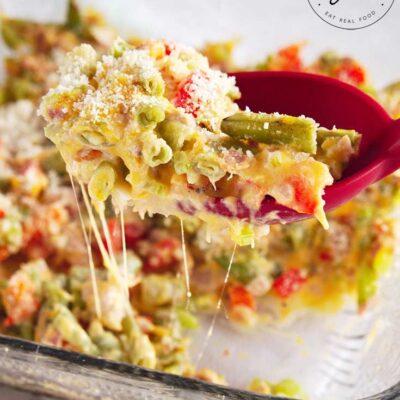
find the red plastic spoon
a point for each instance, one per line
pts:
(331, 103)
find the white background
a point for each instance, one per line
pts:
(262, 26)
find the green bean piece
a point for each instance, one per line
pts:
(10, 34)
(354, 136)
(241, 271)
(107, 342)
(366, 284)
(26, 330)
(383, 260)
(138, 345)
(77, 276)
(130, 326)
(68, 326)
(74, 21)
(5, 184)
(336, 152)
(54, 293)
(187, 320)
(23, 88)
(299, 133)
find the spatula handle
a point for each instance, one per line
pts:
(394, 149)
(391, 161)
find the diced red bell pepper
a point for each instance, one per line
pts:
(289, 58)
(325, 256)
(350, 72)
(289, 283)
(134, 231)
(169, 47)
(4, 253)
(37, 246)
(188, 96)
(239, 295)
(162, 256)
(303, 194)
(8, 322)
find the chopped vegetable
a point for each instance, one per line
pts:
(289, 283)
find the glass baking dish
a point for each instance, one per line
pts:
(70, 375)
(340, 356)
(334, 356)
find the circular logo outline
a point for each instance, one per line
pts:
(350, 29)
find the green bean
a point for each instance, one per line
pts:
(383, 260)
(335, 152)
(366, 284)
(138, 346)
(160, 290)
(187, 320)
(241, 271)
(68, 326)
(23, 88)
(130, 326)
(323, 134)
(78, 275)
(10, 34)
(26, 330)
(106, 341)
(298, 133)
(54, 293)
(74, 21)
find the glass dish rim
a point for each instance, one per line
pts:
(129, 370)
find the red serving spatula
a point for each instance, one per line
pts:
(331, 103)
